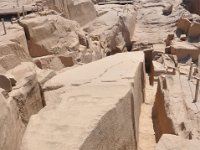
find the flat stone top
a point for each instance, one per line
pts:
(89, 92)
(183, 45)
(110, 69)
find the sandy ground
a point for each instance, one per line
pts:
(146, 132)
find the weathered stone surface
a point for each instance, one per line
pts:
(51, 34)
(18, 105)
(82, 11)
(114, 29)
(172, 142)
(91, 107)
(158, 69)
(49, 62)
(11, 126)
(13, 47)
(26, 93)
(153, 28)
(54, 62)
(167, 10)
(44, 75)
(5, 83)
(194, 31)
(184, 49)
(174, 110)
(183, 24)
(170, 37)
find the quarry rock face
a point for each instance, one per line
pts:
(82, 11)
(17, 105)
(172, 142)
(51, 34)
(174, 111)
(73, 75)
(11, 126)
(97, 110)
(27, 92)
(114, 29)
(13, 47)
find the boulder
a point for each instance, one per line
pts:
(114, 29)
(183, 49)
(82, 11)
(13, 47)
(183, 24)
(49, 62)
(12, 128)
(95, 110)
(5, 83)
(194, 31)
(51, 34)
(173, 142)
(167, 10)
(170, 37)
(54, 62)
(27, 92)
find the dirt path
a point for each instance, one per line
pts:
(146, 132)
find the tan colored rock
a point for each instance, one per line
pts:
(91, 107)
(12, 79)
(51, 34)
(172, 142)
(183, 24)
(174, 109)
(194, 31)
(170, 37)
(5, 83)
(13, 47)
(82, 11)
(184, 49)
(44, 75)
(17, 106)
(114, 29)
(158, 69)
(54, 62)
(154, 28)
(11, 126)
(26, 93)
(49, 62)
(67, 61)
(167, 10)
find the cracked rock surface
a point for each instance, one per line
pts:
(97, 110)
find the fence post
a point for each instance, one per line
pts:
(196, 91)
(4, 27)
(190, 73)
